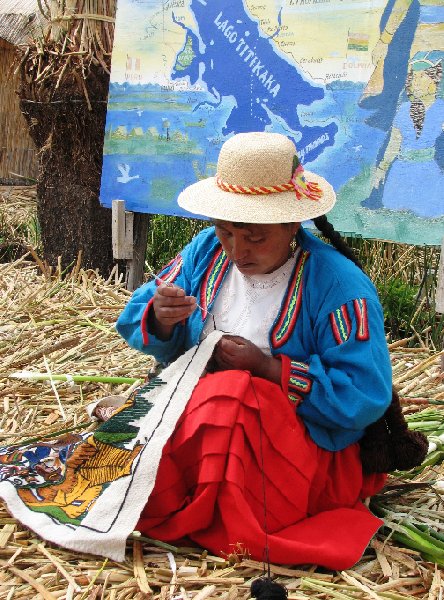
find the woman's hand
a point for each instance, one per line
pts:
(235, 352)
(170, 306)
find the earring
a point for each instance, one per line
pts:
(293, 246)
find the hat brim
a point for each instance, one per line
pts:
(207, 199)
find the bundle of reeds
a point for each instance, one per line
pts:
(18, 221)
(18, 162)
(77, 40)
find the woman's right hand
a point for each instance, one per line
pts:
(170, 306)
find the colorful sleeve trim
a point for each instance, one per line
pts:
(362, 332)
(212, 280)
(299, 382)
(340, 324)
(171, 271)
(291, 305)
(296, 365)
(295, 399)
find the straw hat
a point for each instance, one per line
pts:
(259, 180)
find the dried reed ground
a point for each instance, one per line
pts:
(66, 326)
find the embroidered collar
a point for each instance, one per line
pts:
(285, 321)
(291, 305)
(212, 280)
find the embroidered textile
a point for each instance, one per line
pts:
(86, 491)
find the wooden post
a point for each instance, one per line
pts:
(135, 267)
(129, 233)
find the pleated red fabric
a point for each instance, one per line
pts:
(238, 436)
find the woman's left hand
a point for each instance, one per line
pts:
(235, 352)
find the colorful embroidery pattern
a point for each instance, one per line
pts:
(85, 491)
(296, 365)
(296, 399)
(212, 280)
(299, 382)
(362, 332)
(290, 306)
(168, 274)
(63, 478)
(340, 324)
(171, 271)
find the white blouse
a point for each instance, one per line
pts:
(247, 305)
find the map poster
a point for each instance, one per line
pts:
(357, 84)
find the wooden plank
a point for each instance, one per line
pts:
(122, 231)
(129, 237)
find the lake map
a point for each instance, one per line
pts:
(358, 89)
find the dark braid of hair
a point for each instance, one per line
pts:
(327, 229)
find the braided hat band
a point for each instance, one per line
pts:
(298, 183)
(259, 180)
(239, 189)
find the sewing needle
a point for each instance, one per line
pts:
(160, 280)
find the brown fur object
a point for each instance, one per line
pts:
(389, 445)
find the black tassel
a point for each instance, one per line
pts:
(266, 589)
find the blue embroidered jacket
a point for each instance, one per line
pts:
(329, 331)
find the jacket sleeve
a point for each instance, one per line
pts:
(132, 324)
(348, 384)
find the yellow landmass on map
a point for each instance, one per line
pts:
(148, 33)
(318, 35)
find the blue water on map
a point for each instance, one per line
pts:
(155, 180)
(356, 143)
(239, 61)
(382, 107)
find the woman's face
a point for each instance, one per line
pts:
(256, 249)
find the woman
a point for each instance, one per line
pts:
(266, 454)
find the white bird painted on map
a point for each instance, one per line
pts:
(357, 148)
(124, 174)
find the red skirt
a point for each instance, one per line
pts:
(239, 439)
